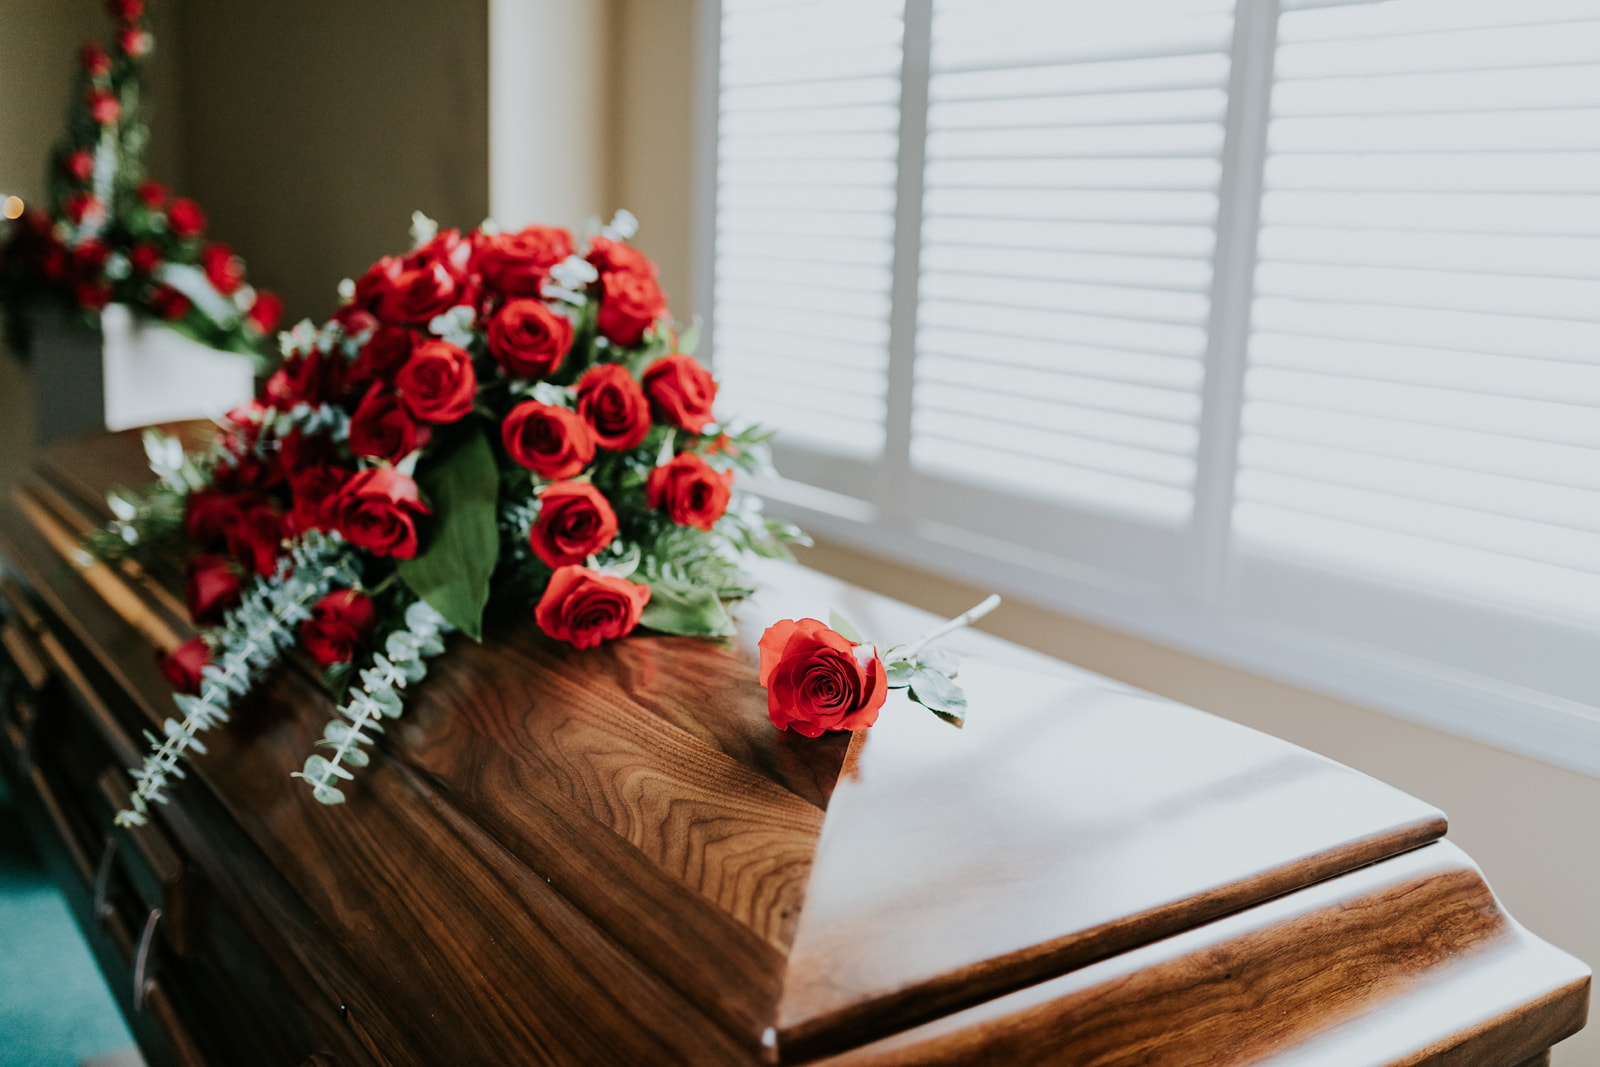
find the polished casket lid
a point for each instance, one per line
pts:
(602, 852)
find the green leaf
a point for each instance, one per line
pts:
(452, 571)
(899, 674)
(689, 339)
(942, 660)
(939, 695)
(841, 626)
(686, 609)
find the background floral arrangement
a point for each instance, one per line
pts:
(111, 235)
(490, 416)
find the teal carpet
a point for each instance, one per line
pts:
(55, 1010)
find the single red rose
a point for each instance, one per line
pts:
(224, 270)
(413, 288)
(377, 510)
(79, 165)
(255, 537)
(607, 255)
(168, 303)
(628, 305)
(103, 106)
(373, 288)
(355, 321)
(92, 296)
(153, 193)
(691, 492)
(614, 406)
(585, 607)
(126, 10)
(265, 312)
(552, 442)
(96, 63)
(316, 492)
(211, 585)
(517, 264)
(185, 219)
(181, 667)
(681, 391)
(438, 383)
(817, 680)
(528, 339)
(144, 258)
(311, 378)
(449, 249)
(135, 43)
(340, 626)
(82, 206)
(382, 428)
(381, 358)
(575, 521)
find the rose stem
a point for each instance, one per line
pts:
(966, 618)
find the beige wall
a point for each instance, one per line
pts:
(314, 129)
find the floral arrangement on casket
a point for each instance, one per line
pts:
(490, 414)
(112, 236)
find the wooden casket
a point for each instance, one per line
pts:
(611, 857)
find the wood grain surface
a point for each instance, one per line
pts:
(611, 857)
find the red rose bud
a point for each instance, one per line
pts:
(81, 206)
(182, 666)
(629, 304)
(211, 585)
(528, 339)
(316, 493)
(438, 383)
(168, 303)
(153, 193)
(614, 406)
(92, 296)
(552, 442)
(79, 165)
(306, 377)
(575, 521)
(681, 391)
(607, 255)
(377, 510)
(103, 106)
(144, 258)
(126, 10)
(264, 314)
(382, 428)
(517, 264)
(381, 358)
(691, 492)
(255, 537)
(224, 270)
(95, 62)
(586, 608)
(135, 43)
(817, 680)
(185, 219)
(341, 625)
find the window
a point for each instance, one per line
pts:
(1269, 329)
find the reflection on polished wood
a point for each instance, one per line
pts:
(611, 857)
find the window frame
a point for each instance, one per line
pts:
(1191, 589)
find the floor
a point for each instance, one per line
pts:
(55, 1010)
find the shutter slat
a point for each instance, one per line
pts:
(1423, 373)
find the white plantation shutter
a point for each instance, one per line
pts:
(1269, 329)
(1069, 215)
(808, 116)
(1422, 405)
